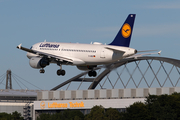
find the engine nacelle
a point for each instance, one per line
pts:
(85, 68)
(38, 62)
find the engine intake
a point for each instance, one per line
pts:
(38, 62)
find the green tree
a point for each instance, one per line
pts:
(44, 116)
(97, 113)
(77, 114)
(56, 116)
(72, 114)
(176, 103)
(5, 116)
(163, 107)
(16, 116)
(137, 111)
(77, 118)
(112, 114)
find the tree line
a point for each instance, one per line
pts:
(163, 107)
(14, 116)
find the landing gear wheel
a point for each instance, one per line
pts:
(61, 72)
(92, 73)
(42, 71)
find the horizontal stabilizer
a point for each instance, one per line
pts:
(140, 55)
(146, 51)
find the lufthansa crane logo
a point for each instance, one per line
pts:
(126, 30)
(42, 105)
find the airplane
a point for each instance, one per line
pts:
(84, 56)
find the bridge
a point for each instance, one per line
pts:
(161, 70)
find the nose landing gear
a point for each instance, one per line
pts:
(42, 70)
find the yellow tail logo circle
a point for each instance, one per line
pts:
(126, 30)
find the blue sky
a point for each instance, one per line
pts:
(28, 22)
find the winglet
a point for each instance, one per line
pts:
(159, 52)
(19, 46)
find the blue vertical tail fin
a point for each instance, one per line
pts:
(123, 37)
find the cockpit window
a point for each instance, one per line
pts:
(31, 47)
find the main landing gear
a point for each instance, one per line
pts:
(92, 73)
(60, 71)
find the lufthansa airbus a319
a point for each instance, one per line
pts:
(84, 56)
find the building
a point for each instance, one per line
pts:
(83, 100)
(18, 100)
(31, 103)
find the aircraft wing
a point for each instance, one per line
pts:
(57, 58)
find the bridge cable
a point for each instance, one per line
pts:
(26, 81)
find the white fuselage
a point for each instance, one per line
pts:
(84, 54)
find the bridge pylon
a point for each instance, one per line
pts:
(8, 80)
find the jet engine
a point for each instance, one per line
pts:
(38, 62)
(85, 68)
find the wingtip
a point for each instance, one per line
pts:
(159, 52)
(19, 46)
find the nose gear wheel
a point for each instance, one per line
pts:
(42, 70)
